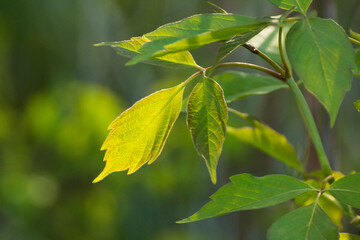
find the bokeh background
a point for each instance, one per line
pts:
(58, 94)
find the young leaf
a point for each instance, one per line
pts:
(237, 85)
(138, 135)
(347, 190)
(323, 58)
(301, 5)
(306, 223)
(194, 32)
(206, 118)
(130, 48)
(231, 45)
(267, 140)
(248, 192)
(357, 105)
(348, 236)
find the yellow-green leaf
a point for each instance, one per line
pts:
(267, 140)
(357, 105)
(301, 5)
(206, 117)
(130, 48)
(348, 236)
(138, 135)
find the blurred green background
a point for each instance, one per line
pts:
(58, 94)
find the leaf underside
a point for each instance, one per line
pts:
(267, 140)
(247, 192)
(237, 85)
(138, 135)
(323, 58)
(206, 119)
(305, 223)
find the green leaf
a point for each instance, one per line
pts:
(301, 5)
(130, 48)
(357, 61)
(306, 223)
(347, 190)
(138, 135)
(237, 85)
(206, 118)
(355, 34)
(357, 105)
(231, 45)
(348, 236)
(267, 140)
(194, 32)
(322, 56)
(248, 192)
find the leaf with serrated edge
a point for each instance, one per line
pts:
(247, 192)
(138, 135)
(237, 85)
(357, 105)
(348, 236)
(194, 32)
(301, 5)
(130, 48)
(322, 56)
(306, 223)
(267, 140)
(347, 190)
(206, 119)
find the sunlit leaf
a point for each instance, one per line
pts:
(194, 32)
(130, 48)
(355, 34)
(322, 56)
(237, 85)
(267, 140)
(248, 192)
(357, 105)
(347, 190)
(206, 118)
(348, 236)
(301, 5)
(306, 223)
(138, 135)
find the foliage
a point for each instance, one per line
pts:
(319, 52)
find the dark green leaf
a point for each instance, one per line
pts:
(248, 192)
(267, 140)
(301, 5)
(357, 60)
(322, 56)
(347, 190)
(194, 32)
(206, 118)
(306, 223)
(130, 48)
(237, 85)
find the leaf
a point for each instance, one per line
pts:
(267, 140)
(237, 85)
(347, 190)
(306, 223)
(231, 45)
(323, 58)
(194, 32)
(357, 105)
(301, 5)
(348, 236)
(206, 118)
(248, 192)
(138, 135)
(355, 34)
(130, 48)
(357, 60)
